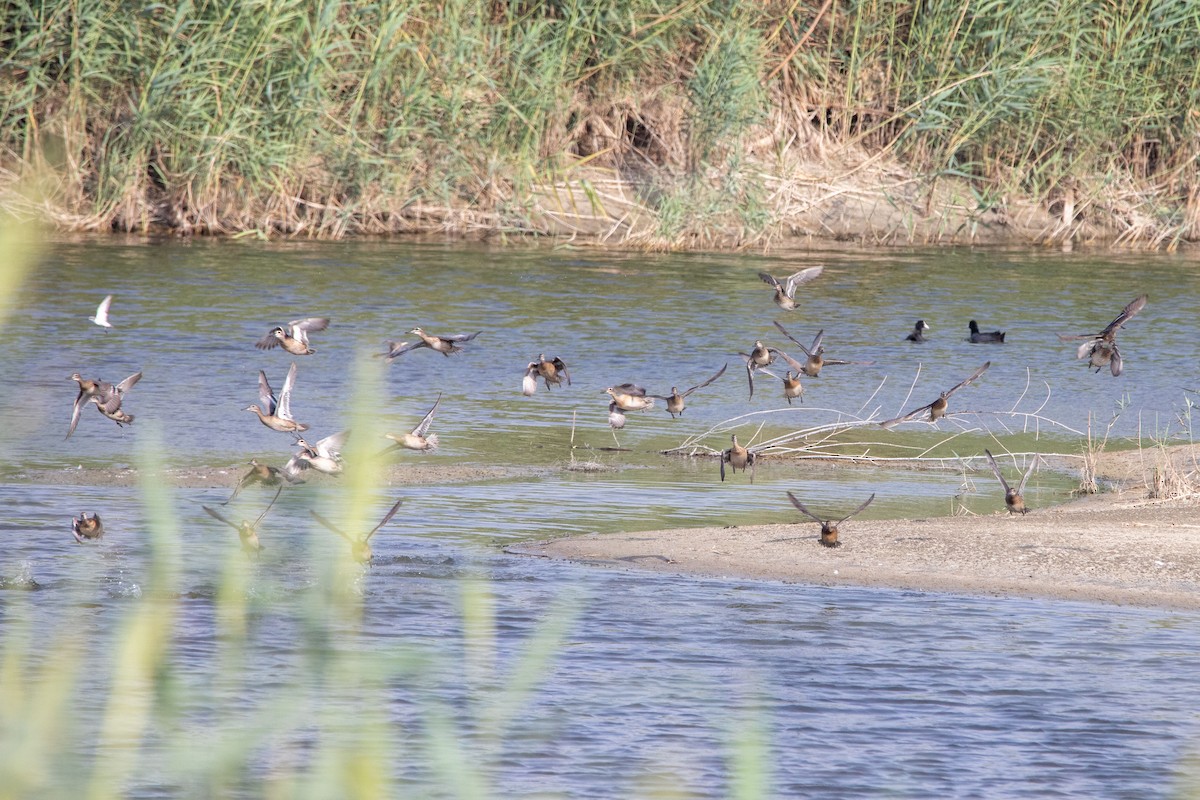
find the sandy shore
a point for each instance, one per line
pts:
(1118, 547)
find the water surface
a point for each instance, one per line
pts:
(856, 692)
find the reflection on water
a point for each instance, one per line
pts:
(860, 692)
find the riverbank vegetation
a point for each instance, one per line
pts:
(650, 122)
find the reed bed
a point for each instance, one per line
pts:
(714, 122)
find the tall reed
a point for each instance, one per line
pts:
(323, 118)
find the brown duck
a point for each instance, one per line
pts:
(785, 288)
(937, 409)
(276, 412)
(1014, 499)
(675, 400)
(1100, 349)
(293, 337)
(829, 527)
(85, 528)
(247, 532)
(360, 547)
(738, 457)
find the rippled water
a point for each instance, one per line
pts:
(856, 692)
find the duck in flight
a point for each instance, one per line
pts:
(1100, 349)
(785, 288)
(937, 409)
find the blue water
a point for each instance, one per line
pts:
(652, 680)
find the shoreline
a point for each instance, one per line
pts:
(1105, 548)
(1118, 547)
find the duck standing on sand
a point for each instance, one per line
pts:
(829, 527)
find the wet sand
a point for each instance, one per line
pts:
(1119, 547)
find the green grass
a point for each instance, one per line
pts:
(323, 118)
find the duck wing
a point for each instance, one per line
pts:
(791, 362)
(783, 330)
(269, 341)
(768, 279)
(426, 421)
(332, 527)
(996, 470)
(266, 395)
(974, 375)
(1135, 305)
(80, 400)
(911, 415)
(217, 516)
(308, 325)
(386, 519)
(460, 337)
(258, 521)
(332, 445)
(561, 366)
(804, 509)
(718, 374)
(866, 503)
(797, 278)
(284, 407)
(1028, 472)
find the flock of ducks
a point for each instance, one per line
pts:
(324, 455)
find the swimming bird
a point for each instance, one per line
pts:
(815, 354)
(276, 413)
(629, 397)
(325, 456)
(918, 332)
(1014, 499)
(293, 337)
(937, 409)
(108, 399)
(984, 337)
(419, 437)
(675, 401)
(247, 532)
(101, 317)
(785, 289)
(829, 527)
(360, 547)
(738, 457)
(1101, 348)
(84, 527)
(441, 344)
(259, 473)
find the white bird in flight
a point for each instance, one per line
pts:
(101, 317)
